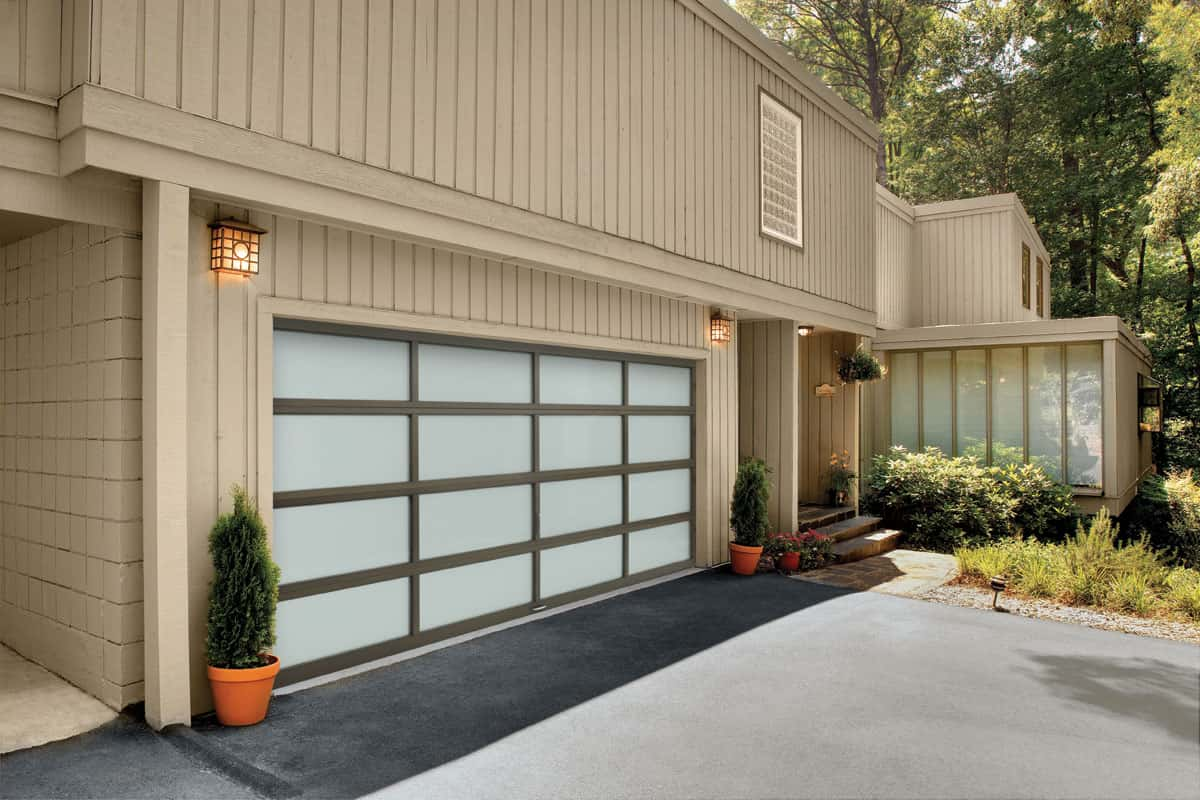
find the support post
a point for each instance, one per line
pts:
(164, 451)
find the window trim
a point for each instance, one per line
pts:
(1026, 255)
(765, 97)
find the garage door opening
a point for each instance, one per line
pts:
(426, 486)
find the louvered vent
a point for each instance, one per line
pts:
(780, 163)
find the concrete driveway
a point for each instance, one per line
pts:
(716, 686)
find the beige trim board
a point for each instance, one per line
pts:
(1082, 329)
(895, 204)
(70, 199)
(99, 127)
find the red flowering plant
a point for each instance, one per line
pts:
(782, 543)
(816, 549)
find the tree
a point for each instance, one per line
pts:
(865, 50)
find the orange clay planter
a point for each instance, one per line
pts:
(241, 696)
(788, 562)
(745, 559)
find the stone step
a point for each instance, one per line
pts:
(867, 545)
(816, 516)
(850, 528)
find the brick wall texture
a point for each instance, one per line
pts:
(70, 457)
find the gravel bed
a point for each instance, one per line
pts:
(972, 597)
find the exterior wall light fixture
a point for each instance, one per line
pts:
(235, 247)
(720, 328)
(804, 330)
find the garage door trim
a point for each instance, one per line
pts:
(414, 409)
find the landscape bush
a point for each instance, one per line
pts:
(942, 503)
(1091, 568)
(1167, 513)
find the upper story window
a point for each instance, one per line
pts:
(782, 214)
(1041, 287)
(1025, 275)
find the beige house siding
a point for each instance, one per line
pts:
(827, 424)
(897, 275)
(767, 386)
(70, 495)
(639, 119)
(358, 278)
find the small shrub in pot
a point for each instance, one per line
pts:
(748, 515)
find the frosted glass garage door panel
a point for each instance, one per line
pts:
(462, 446)
(659, 438)
(334, 538)
(656, 547)
(318, 451)
(657, 494)
(472, 374)
(588, 381)
(654, 385)
(452, 595)
(321, 625)
(315, 365)
(576, 566)
(456, 522)
(580, 505)
(567, 442)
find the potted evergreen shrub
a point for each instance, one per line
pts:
(241, 615)
(748, 515)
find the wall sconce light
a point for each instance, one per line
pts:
(235, 247)
(804, 330)
(720, 329)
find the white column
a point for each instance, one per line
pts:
(164, 450)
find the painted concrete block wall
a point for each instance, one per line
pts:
(634, 117)
(70, 440)
(355, 273)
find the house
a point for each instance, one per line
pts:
(482, 301)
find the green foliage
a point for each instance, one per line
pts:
(1090, 568)
(782, 543)
(816, 550)
(940, 503)
(1042, 508)
(748, 513)
(245, 588)
(859, 366)
(1166, 513)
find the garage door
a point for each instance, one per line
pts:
(426, 486)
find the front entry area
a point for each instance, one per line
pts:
(427, 485)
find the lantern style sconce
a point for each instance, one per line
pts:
(235, 247)
(804, 330)
(720, 328)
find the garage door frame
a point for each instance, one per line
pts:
(414, 488)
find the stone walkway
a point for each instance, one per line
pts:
(907, 573)
(37, 706)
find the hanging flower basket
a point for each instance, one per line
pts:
(858, 367)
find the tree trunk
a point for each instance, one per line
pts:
(1189, 304)
(1137, 291)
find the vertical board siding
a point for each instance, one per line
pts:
(897, 288)
(768, 382)
(634, 117)
(33, 33)
(827, 425)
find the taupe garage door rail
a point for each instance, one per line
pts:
(414, 409)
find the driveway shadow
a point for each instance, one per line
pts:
(1148, 689)
(372, 730)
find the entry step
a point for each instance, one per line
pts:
(850, 528)
(815, 516)
(867, 545)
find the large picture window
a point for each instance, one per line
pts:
(1004, 405)
(782, 213)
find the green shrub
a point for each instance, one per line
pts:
(1130, 592)
(748, 512)
(1089, 561)
(1183, 499)
(1183, 591)
(816, 550)
(1042, 508)
(245, 588)
(859, 366)
(940, 503)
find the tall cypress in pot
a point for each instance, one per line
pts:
(748, 515)
(241, 614)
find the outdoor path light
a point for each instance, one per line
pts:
(999, 584)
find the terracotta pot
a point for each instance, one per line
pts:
(789, 562)
(241, 696)
(745, 559)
